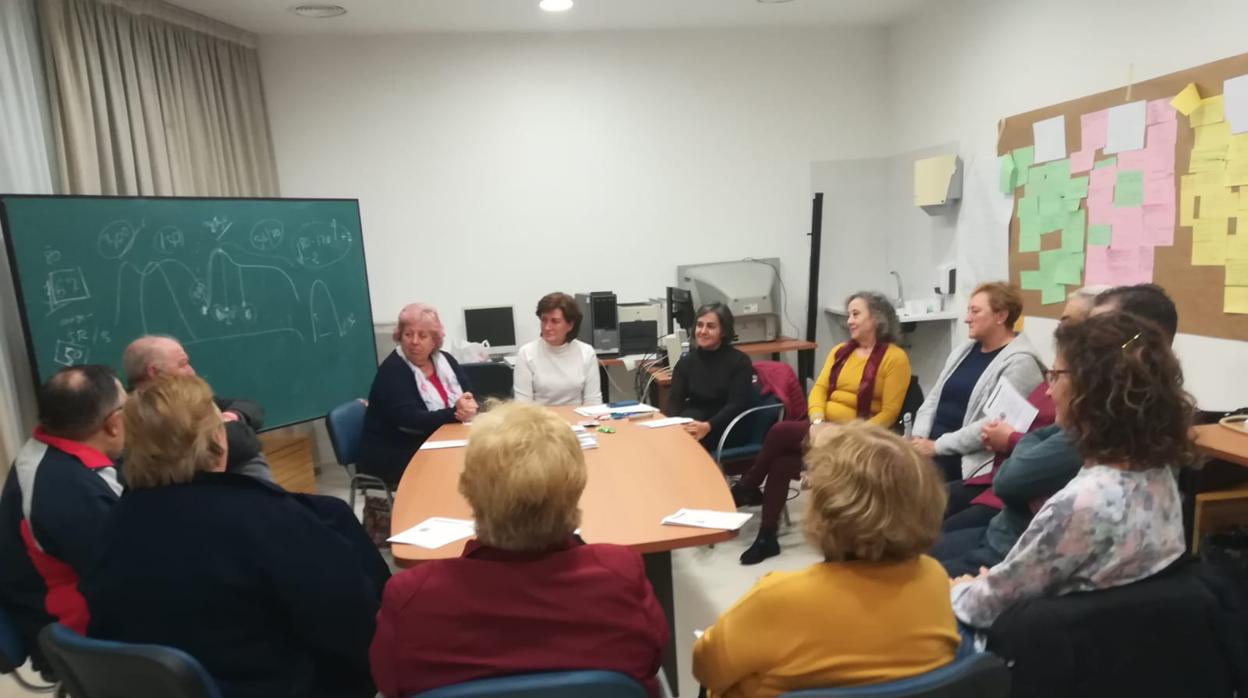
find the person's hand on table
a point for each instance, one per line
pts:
(697, 430)
(927, 447)
(465, 408)
(996, 435)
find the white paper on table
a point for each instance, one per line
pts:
(445, 443)
(665, 422)
(706, 518)
(1235, 103)
(1009, 406)
(1050, 139)
(435, 532)
(599, 410)
(1125, 130)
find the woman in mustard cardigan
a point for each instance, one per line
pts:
(876, 609)
(864, 378)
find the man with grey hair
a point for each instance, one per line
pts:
(153, 355)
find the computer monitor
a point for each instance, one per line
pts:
(496, 325)
(679, 309)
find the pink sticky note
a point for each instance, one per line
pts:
(1096, 267)
(1124, 266)
(1093, 130)
(1081, 160)
(1128, 229)
(1159, 111)
(1159, 160)
(1160, 134)
(1159, 224)
(1147, 255)
(1133, 160)
(1159, 189)
(1100, 211)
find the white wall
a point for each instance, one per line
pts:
(963, 64)
(492, 169)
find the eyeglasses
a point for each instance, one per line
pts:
(1051, 374)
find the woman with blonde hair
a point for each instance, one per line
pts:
(875, 610)
(527, 595)
(418, 388)
(274, 593)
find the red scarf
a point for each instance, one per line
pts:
(866, 387)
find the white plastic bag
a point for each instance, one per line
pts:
(467, 352)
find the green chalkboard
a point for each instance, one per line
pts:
(269, 296)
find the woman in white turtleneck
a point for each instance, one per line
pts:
(558, 369)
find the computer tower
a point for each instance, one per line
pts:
(600, 326)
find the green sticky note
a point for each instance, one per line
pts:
(1058, 172)
(1077, 188)
(1050, 205)
(1072, 233)
(1006, 164)
(1053, 293)
(1030, 227)
(1107, 162)
(1027, 207)
(1055, 221)
(1099, 234)
(1129, 189)
(1070, 269)
(1030, 280)
(1028, 240)
(1023, 159)
(1071, 203)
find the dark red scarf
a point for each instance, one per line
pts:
(866, 387)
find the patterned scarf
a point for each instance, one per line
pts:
(866, 387)
(446, 374)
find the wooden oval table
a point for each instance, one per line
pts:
(637, 476)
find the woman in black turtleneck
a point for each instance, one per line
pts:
(712, 384)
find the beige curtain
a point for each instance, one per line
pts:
(145, 104)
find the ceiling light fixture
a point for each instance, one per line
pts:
(555, 5)
(319, 11)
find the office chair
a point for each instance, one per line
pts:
(13, 654)
(558, 684)
(103, 669)
(981, 675)
(345, 424)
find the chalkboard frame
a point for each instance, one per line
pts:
(11, 253)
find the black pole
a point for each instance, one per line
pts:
(806, 359)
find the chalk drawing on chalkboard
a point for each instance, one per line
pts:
(321, 244)
(267, 235)
(51, 256)
(69, 354)
(242, 335)
(64, 286)
(169, 240)
(220, 253)
(116, 239)
(321, 319)
(218, 226)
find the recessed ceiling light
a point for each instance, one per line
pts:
(555, 5)
(319, 11)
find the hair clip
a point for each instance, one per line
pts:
(1128, 342)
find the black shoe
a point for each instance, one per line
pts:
(763, 547)
(746, 496)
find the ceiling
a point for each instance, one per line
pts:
(416, 16)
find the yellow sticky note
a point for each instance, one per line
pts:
(1212, 138)
(1209, 242)
(1202, 182)
(1187, 208)
(1236, 300)
(1243, 204)
(1219, 203)
(1186, 101)
(1209, 112)
(1236, 173)
(1237, 244)
(1238, 146)
(1237, 272)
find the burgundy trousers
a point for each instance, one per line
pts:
(779, 463)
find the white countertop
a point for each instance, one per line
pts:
(927, 317)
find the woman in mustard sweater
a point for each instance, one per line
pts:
(864, 378)
(877, 609)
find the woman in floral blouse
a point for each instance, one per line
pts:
(1118, 392)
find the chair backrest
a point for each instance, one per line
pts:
(489, 379)
(911, 403)
(560, 684)
(777, 378)
(13, 651)
(981, 675)
(102, 669)
(345, 424)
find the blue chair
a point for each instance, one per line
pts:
(558, 684)
(102, 669)
(345, 424)
(980, 675)
(743, 437)
(13, 654)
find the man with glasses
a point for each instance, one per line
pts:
(56, 499)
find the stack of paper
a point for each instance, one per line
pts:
(600, 410)
(445, 443)
(705, 518)
(1005, 403)
(435, 532)
(665, 422)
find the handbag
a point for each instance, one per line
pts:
(377, 519)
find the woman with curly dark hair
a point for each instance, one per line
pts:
(1118, 392)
